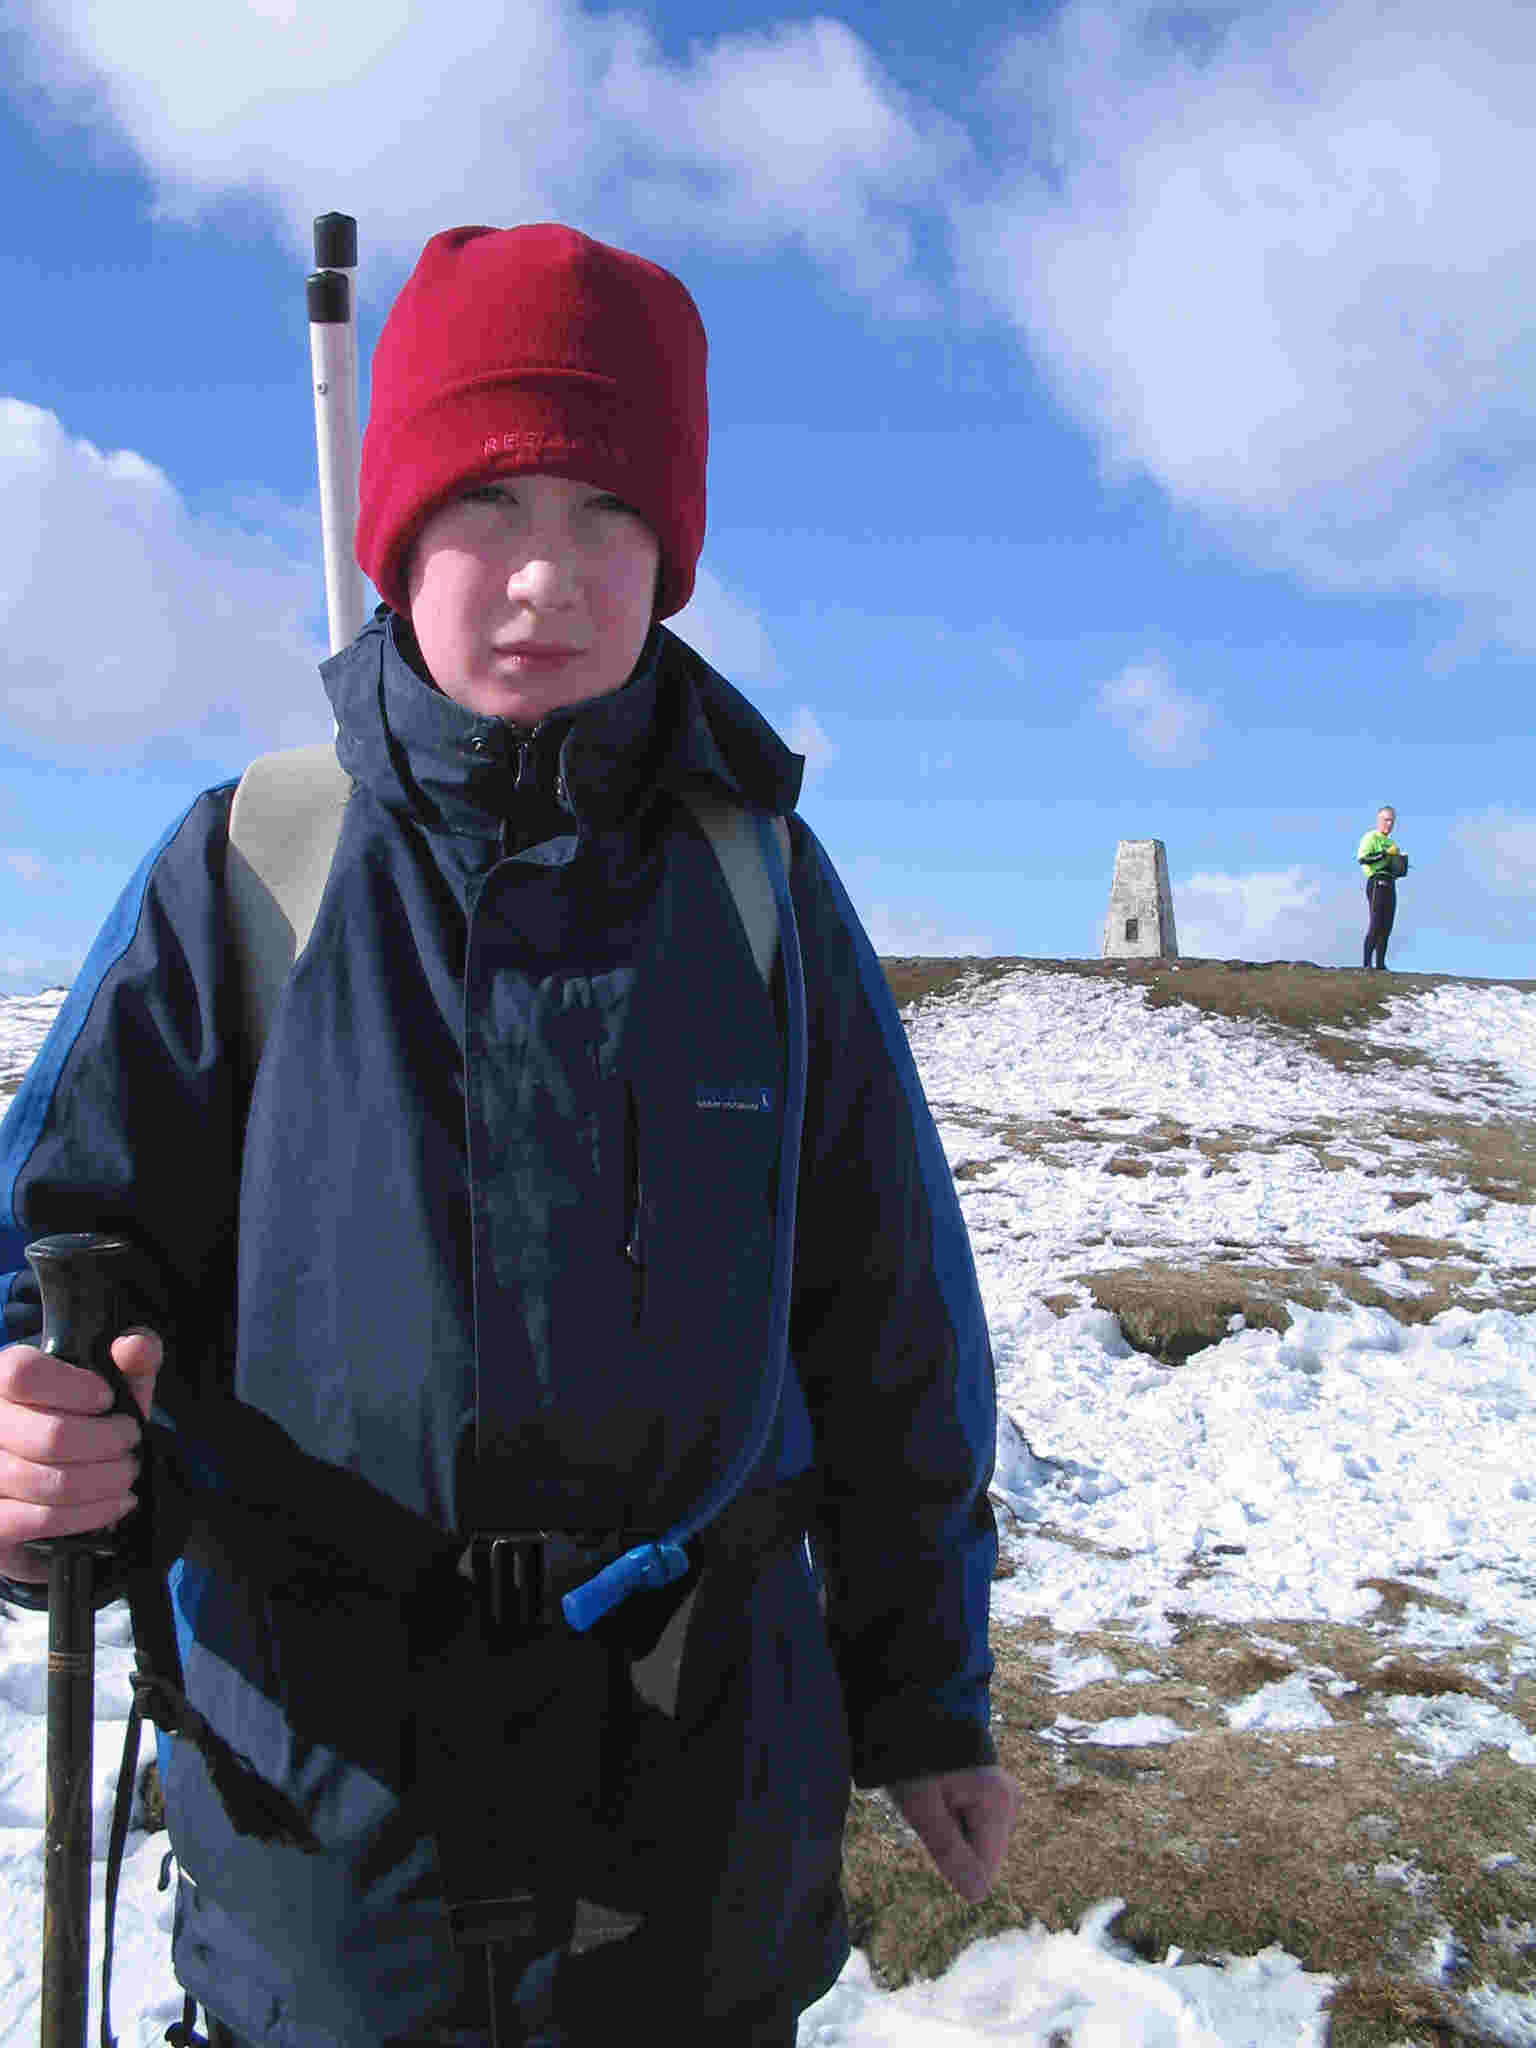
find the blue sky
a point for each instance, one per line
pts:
(1122, 425)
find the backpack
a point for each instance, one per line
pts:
(284, 827)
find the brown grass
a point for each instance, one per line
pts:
(1227, 1842)
(1171, 1312)
(1294, 993)
(1172, 1308)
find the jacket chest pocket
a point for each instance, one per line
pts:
(699, 1188)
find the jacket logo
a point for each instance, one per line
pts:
(742, 1095)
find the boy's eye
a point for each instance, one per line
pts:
(488, 494)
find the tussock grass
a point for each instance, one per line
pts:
(1171, 1312)
(1227, 1841)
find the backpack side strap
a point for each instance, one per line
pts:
(283, 829)
(740, 854)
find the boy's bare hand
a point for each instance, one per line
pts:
(66, 1463)
(963, 1819)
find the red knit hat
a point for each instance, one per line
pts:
(536, 349)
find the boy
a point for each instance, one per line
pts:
(490, 1277)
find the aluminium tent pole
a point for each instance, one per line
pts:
(333, 359)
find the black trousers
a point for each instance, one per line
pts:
(1381, 900)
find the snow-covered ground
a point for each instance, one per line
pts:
(1289, 1467)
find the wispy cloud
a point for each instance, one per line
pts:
(806, 736)
(900, 918)
(1161, 723)
(1496, 892)
(905, 933)
(28, 962)
(29, 868)
(1481, 884)
(524, 109)
(206, 631)
(727, 632)
(1282, 914)
(1273, 255)
(1276, 258)
(1500, 845)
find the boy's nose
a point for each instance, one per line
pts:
(543, 578)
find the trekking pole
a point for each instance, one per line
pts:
(78, 1276)
(333, 359)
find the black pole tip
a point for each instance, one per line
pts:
(329, 296)
(335, 241)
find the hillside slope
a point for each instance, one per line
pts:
(1452, 1127)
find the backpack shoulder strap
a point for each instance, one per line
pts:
(733, 836)
(283, 829)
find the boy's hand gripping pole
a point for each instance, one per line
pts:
(78, 1276)
(333, 359)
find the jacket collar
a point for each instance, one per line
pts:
(675, 724)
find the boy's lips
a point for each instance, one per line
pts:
(543, 657)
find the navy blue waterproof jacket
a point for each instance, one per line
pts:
(489, 1241)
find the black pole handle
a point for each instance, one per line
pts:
(80, 1276)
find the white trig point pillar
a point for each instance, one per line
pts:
(1140, 921)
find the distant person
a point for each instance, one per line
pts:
(1383, 860)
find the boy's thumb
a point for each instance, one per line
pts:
(138, 1355)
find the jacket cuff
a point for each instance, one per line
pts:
(21, 1593)
(900, 1742)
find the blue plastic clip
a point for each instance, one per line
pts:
(651, 1564)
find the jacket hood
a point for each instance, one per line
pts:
(675, 725)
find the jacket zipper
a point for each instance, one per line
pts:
(661, 1562)
(634, 1205)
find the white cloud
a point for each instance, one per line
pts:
(1495, 892)
(796, 130)
(29, 868)
(902, 920)
(727, 632)
(1285, 914)
(1481, 885)
(1160, 722)
(125, 620)
(200, 633)
(805, 736)
(902, 932)
(28, 963)
(1272, 255)
(1500, 847)
(1276, 257)
(522, 109)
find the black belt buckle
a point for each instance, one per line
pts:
(512, 1579)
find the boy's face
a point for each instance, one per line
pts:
(1386, 818)
(531, 592)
